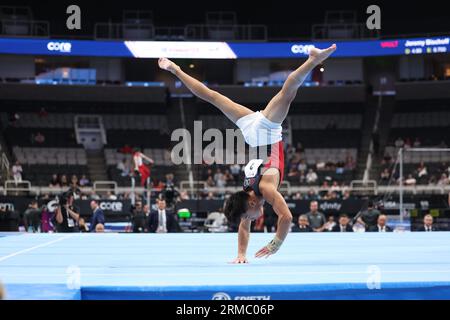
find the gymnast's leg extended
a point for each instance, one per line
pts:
(278, 107)
(231, 109)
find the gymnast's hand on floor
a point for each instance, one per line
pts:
(264, 252)
(240, 260)
(166, 64)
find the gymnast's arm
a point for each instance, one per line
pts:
(243, 238)
(268, 187)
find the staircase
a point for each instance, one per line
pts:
(96, 165)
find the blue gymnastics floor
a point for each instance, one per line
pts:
(195, 266)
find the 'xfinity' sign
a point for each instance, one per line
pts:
(65, 47)
(301, 48)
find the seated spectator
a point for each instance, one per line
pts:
(297, 196)
(84, 181)
(184, 195)
(302, 225)
(385, 175)
(228, 177)
(381, 225)
(39, 138)
(63, 181)
(316, 219)
(54, 182)
(410, 180)
(443, 180)
(399, 143)
(158, 185)
(110, 195)
(346, 195)
(343, 225)
(123, 168)
(427, 224)
(17, 172)
(422, 170)
(302, 166)
(335, 187)
(417, 143)
(311, 177)
(126, 149)
(235, 170)
(350, 163)
(100, 228)
(162, 220)
(293, 172)
(219, 179)
(330, 224)
(74, 181)
(43, 113)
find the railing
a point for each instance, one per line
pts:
(25, 28)
(225, 32)
(343, 31)
(105, 186)
(356, 187)
(12, 186)
(127, 31)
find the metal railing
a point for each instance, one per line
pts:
(13, 186)
(343, 31)
(235, 32)
(24, 28)
(129, 31)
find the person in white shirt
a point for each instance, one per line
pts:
(17, 172)
(311, 176)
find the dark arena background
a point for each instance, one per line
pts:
(114, 175)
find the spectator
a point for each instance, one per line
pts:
(443, 181)
(311, 177)
(139, 219)
(99, 228)
(302, 166)
(410, 180)
(46, 220)
(126, 149)
(417, 143)
(54, 182)
(162, 220)
(381, 225)
(427, 224)
(84, 181)
(67, 215)
(316, 219)
(110, 195)
(43, 113)
(343, 225)
(63, 181)
(399, 143)
(385, 175)
(74, 181)
(302, 224)
(123, 168)
(350, 163)
(369, 217)
(235, 170)
(32, 217)
(39, 138)
(228, 177)
(219, 178)
(17, 172)
(346, 195)
(330, 224)
(97, 216)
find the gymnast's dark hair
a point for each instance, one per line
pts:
(236, 205)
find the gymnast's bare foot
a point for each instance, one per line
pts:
(166, 64)
(317, 56)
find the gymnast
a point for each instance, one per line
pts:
(259, 128)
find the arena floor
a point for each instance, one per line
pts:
(195, 266)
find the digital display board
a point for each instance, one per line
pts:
(221, 50)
